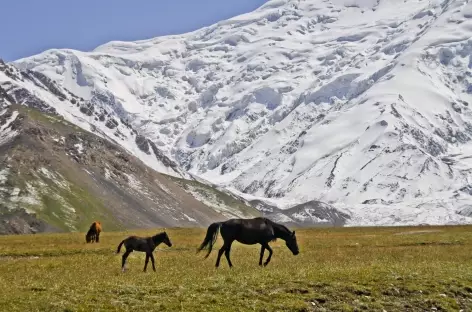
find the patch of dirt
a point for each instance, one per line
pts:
(417, 232)
(9, 258)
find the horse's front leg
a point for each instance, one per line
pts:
(152, 261)
(270, 254)
(146, 262)
(262, 254)
(98, 237)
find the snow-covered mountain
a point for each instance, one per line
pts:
(54, 176)
(362, 104)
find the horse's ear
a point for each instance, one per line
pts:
(293, 233)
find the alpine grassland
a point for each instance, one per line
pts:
(338, 269)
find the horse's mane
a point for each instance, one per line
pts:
(278, 226)
(159, 235)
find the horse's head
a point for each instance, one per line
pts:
(167, 240)
(291, 242)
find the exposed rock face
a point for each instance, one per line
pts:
(312, 213)
(21, 222)
(142, 143)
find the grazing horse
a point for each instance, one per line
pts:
(144, 244)
(93, 233)
(248, 231)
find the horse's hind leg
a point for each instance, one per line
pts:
(146, 262)
(123, 259)
(262, 254)
(220, 253)
(227, 251)
(270, 254)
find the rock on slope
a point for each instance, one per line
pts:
(363, 104)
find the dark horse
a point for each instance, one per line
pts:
(144, 244)
(249, 232)
(93, 233)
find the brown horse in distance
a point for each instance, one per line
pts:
(93, 233)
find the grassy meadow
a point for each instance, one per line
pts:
(338, 269)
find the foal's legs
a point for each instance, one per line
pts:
(262, 254)
(152, 261)
(146, 262)
(123, 259)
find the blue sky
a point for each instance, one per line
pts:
(31, 26)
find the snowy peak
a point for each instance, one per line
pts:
(358, 103)
(36, 90)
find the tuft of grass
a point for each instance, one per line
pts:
(56, 122)
(88, 208)
(53, 199)
(338, 269)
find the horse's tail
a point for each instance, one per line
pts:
(210, 237)
(119, 246)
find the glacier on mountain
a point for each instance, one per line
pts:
(361, 104)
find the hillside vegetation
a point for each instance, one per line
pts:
(342, 269)
(70, 177)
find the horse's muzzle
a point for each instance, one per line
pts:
(296, 253)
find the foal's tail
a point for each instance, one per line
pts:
(119, 246)
(210, 237)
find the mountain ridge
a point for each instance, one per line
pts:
(68, 178)
(56, 176)
(360, 104)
